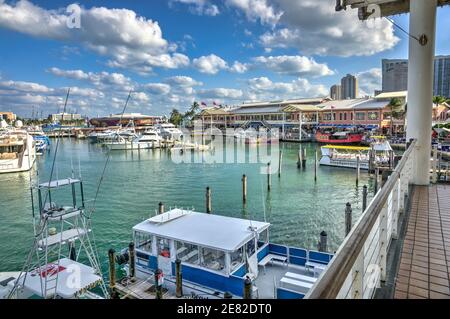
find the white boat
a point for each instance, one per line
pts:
(168, 131)
(148, 140)
(347, 156)
(218, 255)
(17, 151)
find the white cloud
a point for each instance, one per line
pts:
(210, 64)
(257, 10)
(21, 86)
(293, 65)
(221, 93)
(183, 81)
(130, 41)
(157, 88)
(369, 81)
(314, 27)
(239, 67)
(201, 7)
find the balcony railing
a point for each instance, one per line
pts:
(359, 266)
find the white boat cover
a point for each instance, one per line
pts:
(59, 183)
(74, 279)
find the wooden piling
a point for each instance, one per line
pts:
(158, 283)
(112, 269)
(375, 187)
(299, 160)
(269, 177)
(348, 218)
(323, 241)
(161, 208)
(208, 200)
(358, 169)
(280, 163)
(179, 279)
(364, 200)
(244, 189)
(132, 262)
(304, 158)
(247, 288)
(315, 167)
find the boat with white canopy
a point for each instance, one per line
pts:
(17, 151)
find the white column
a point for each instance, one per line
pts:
(420, 84)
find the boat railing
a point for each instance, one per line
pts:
(360, 264)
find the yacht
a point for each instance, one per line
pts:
(169, 131)
(17, 151)
(147, 140)
(219, 255)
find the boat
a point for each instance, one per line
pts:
(62, 240)
(218, 256)
(42, 142)
(168, 131)
(344, 137)
(349, 156)
(17, 151)
(147, 140)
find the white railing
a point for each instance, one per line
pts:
(359, 266)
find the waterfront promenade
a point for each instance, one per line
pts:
(424, 270)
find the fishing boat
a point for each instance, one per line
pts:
(219, 256)
(147, 140)
(17, 151)
(344, 137)
(350, 156)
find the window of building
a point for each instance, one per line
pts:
(360, 116)
(345, 116)
(327, 116)
(341, 116)
(143, 241)
(351, 116)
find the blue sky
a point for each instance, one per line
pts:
(171, 53)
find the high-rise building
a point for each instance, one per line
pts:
(335, 92)
(395, 75)
(441, 85)
(349, 87)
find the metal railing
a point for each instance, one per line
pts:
(359, 265)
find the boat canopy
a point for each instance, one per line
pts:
(206, 230)
(59, 183)
(350, 148)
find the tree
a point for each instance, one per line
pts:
(437, 100)
(176, 118)
(396, 111)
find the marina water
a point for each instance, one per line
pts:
(136, 181)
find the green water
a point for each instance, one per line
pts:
(135, 182)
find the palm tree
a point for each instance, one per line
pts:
(175, 117)
(396, 111)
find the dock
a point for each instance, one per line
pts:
(139, 289)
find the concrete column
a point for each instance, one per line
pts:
(422, 26)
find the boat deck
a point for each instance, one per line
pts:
(425, 259)
(269, 280)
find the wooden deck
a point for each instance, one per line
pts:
(424, 270)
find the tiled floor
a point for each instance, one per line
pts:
(425, 260)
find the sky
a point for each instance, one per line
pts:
(170, 53)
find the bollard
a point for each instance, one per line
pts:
(247, 288)
(299, 160)
(112, 269)
(132, 262)
(269, 177)
(348, 218)
(179, 279)
(208, 200)
(161, 208)
(364, 201)
(244, 189)
(304, 158)
(280, 163)
(323, 241)
(358, 169)
(158, 283)
(315, 167)
(375, 186)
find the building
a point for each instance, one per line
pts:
(394, 75)
(8, 116)
(441, 85)
(65, 117)
(335, 92)
(349, 87)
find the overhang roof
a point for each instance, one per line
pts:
(292, 108)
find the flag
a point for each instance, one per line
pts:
(215, 103)
(203, 103)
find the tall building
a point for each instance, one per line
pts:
(349, 87)
(395, 75)
(441, 85)
(335, 92)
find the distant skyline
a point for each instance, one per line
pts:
(172, 53)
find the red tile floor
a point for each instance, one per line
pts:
(425, 259)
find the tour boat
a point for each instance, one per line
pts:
(17, 151)
(339, 138)
(347, 156)
(148, 140)
(218, 256)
